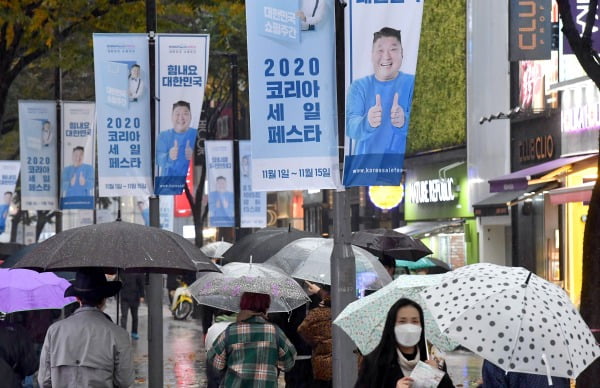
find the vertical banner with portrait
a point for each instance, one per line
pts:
(9, 173)
(181, 71)
(382, 44)
(219, 173)
(291, 64)
(253, 204)
(77, 178)
(39, 161)
(123, 103)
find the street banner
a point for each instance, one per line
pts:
(253, 204)
(166, 212)
(39, 161)
(293, 110)
(9, 173)
(382, 44)
(123, 102)
(579, 12)
(529, 29)
(219, 172)
(78, 181)
(181, 70)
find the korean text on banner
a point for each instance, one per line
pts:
(293, 93)
(123, 103)
(39, 161)
(219, 172)
(379, 88)
(9, 173)
(77, 179)
(181, 70)
(253, 204)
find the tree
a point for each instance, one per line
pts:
(590, 290)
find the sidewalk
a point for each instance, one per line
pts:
(184, 355)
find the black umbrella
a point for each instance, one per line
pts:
(262, 244)
(122, 245)
(391, 243)
(11, 260)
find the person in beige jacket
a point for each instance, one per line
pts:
(87, 349)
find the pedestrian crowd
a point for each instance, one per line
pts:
(250, 348)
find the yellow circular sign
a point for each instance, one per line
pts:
(386, 197)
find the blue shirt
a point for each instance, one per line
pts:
(220, 207)
(386, 138)
(166, 140)
(76, 189)
(3, 215)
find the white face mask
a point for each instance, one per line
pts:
(407, 334)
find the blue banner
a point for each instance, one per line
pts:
(253, 204)
(291, 62)
(39, 161)
(9, 173)
(382, 43)
(181, 70)
(219, 175)
(123, 103)
(78, 181)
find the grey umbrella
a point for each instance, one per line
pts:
(122, 245)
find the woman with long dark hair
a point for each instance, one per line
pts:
(401, 347)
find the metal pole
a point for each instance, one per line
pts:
(233, 62)
(58, 226)
(155, 317)
(343, 291)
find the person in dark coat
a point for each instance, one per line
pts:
(495, 377)
(132, 294)
(18, 358)
(401, 347)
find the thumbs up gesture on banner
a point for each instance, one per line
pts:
(173, 151)
(81, 179)
(374, 114)
(397, 113)
(189, 151)
(73, 179)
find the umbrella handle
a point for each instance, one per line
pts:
(547, 369)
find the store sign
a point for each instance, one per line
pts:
(579, 11)
(431, 191)
(530, 29)
(581, 118)
(536, 148)
(535, 141)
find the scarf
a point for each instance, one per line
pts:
(407, 366)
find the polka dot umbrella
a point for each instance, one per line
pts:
(514, 319)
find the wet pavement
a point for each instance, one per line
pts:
(184, 354)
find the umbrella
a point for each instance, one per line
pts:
(223, 290)
(389, 242)
(363, 319)
(23, 290)
(15, 257)
(431, 264)
(514, 319)
(131, 247)
(263, 244)
(309, 259)
(215, 249)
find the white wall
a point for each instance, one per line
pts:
(488, 88)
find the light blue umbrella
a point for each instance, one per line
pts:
(363, 319)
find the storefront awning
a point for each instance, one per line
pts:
(421, 228)
(519, 180)
(498, 204)
(581, 193)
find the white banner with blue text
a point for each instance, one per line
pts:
(219, 174)
(253, 204)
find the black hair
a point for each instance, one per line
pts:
(385, 353)
(182, 103)
(387, 261)
(221, 177)
(135, 65)
(91, 300)
(78, 148)
(387, 32)
(8, 192)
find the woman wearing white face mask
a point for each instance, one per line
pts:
(401, 347)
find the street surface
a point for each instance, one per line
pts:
(184, 354)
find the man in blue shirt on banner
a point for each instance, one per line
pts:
(378, 107)
(78, 179)
(4, 207)
(175, 146)
(221, 204)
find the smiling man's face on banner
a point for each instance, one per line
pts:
(386, 58)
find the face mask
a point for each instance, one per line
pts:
(407, 334)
